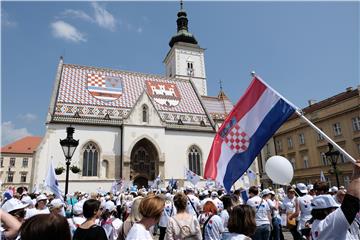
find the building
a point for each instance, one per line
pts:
(339, 117)
(16, 162)
(130, 125)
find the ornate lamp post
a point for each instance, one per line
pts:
(332, 156)
(68, 146)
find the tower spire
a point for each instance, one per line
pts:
(183, 34)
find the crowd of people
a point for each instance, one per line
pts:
(307, 211)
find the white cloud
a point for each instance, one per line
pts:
(139, 29)
(77, 14)
(6, 21)
(66, 31)
(28, 117)
(103, 18)
(9, 133)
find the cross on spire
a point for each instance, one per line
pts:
(220, 83)
(181, 5)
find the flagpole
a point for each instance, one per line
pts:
(301, 115)
(318, 130)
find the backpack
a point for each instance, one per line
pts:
(186, 231)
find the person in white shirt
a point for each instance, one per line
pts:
(110, 222)
(78, 217)
(332, 222)
(218, 203)
(168, 212)
(224, 214)
(40, 207)
(303, 209)
(151, 208)
(262, 214)
(289, 205)
(212, 225)
(193, 204)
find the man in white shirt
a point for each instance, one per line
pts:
(262, 214)
(193, 204)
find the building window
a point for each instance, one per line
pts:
(346, 181)
(337, 129)
(328, 180)
(319, 136)
(145, 113)
(195, 160)
(293, 163)
(10, 177)
(290, 143)
(306, 162)
(25, 162)
(278, 144)
(301, 139)
(23, 177)
(190, 69)
(356, 123)
(358, 147)
(90, 160)
(12, 162)
(323, 159)
(342, 158)
(2, 161)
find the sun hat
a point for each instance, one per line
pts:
(57, 203)
(323, 202)
(302, 188)
(41, 197)
(12, 205)
(110, 206)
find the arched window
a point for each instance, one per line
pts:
(145, 114)
(90, 160)
(195, 160)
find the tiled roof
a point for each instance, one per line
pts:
(328, 102)
(218, 107)
(24, 145)
(74, 99)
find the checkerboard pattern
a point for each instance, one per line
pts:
(237, 140)
(96, 80)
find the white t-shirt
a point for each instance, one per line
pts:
(262, 210)
(112, 228)
(305, 210)
(234, 236)
(138, 232)
(225, 218)
(196, 202)
(213, 228)
(169, 211)
(333, 227)
(75, 222)
(33, 211)
(289, 205)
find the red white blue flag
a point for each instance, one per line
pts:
(250, 124)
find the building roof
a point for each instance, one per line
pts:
(24, 145)
(82, 96)
(218, 107)
(349, 93)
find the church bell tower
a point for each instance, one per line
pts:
(185, 59)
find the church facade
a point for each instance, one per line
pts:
(131, 125)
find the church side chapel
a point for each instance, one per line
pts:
(133, 126)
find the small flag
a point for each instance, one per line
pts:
(156, 182)
(244, 195)
(250, 124)
(191, 176)
(251, 175)
(52, 183)
(322, 177)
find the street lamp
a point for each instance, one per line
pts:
(332, 156)
(68, 146)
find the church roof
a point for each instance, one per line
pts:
(26, 145)
(105, 96)
(218, 107)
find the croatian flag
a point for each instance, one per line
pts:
(250, 124)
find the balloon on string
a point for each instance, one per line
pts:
(279, 170)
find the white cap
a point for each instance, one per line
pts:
(57, 203)
(310, 187)
(110, 206)
(302, 188)
(27, 200)
(13, 204)
(189, 188)
(265, 192)
(168, 196)
(323, 202)
(41, 197)
(333, 189)
(78, 208)
(214, 194)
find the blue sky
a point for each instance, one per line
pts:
(305, 50)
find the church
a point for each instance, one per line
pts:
(133, 126)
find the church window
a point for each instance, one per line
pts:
(194, 158)
(90, 160)
(190, 69)
(145, 113)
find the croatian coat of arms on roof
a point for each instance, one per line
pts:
(166, 94)
(105, 88)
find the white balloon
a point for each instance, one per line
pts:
(279, 170)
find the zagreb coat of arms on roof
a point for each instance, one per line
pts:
(105, 88)
(166, 94)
